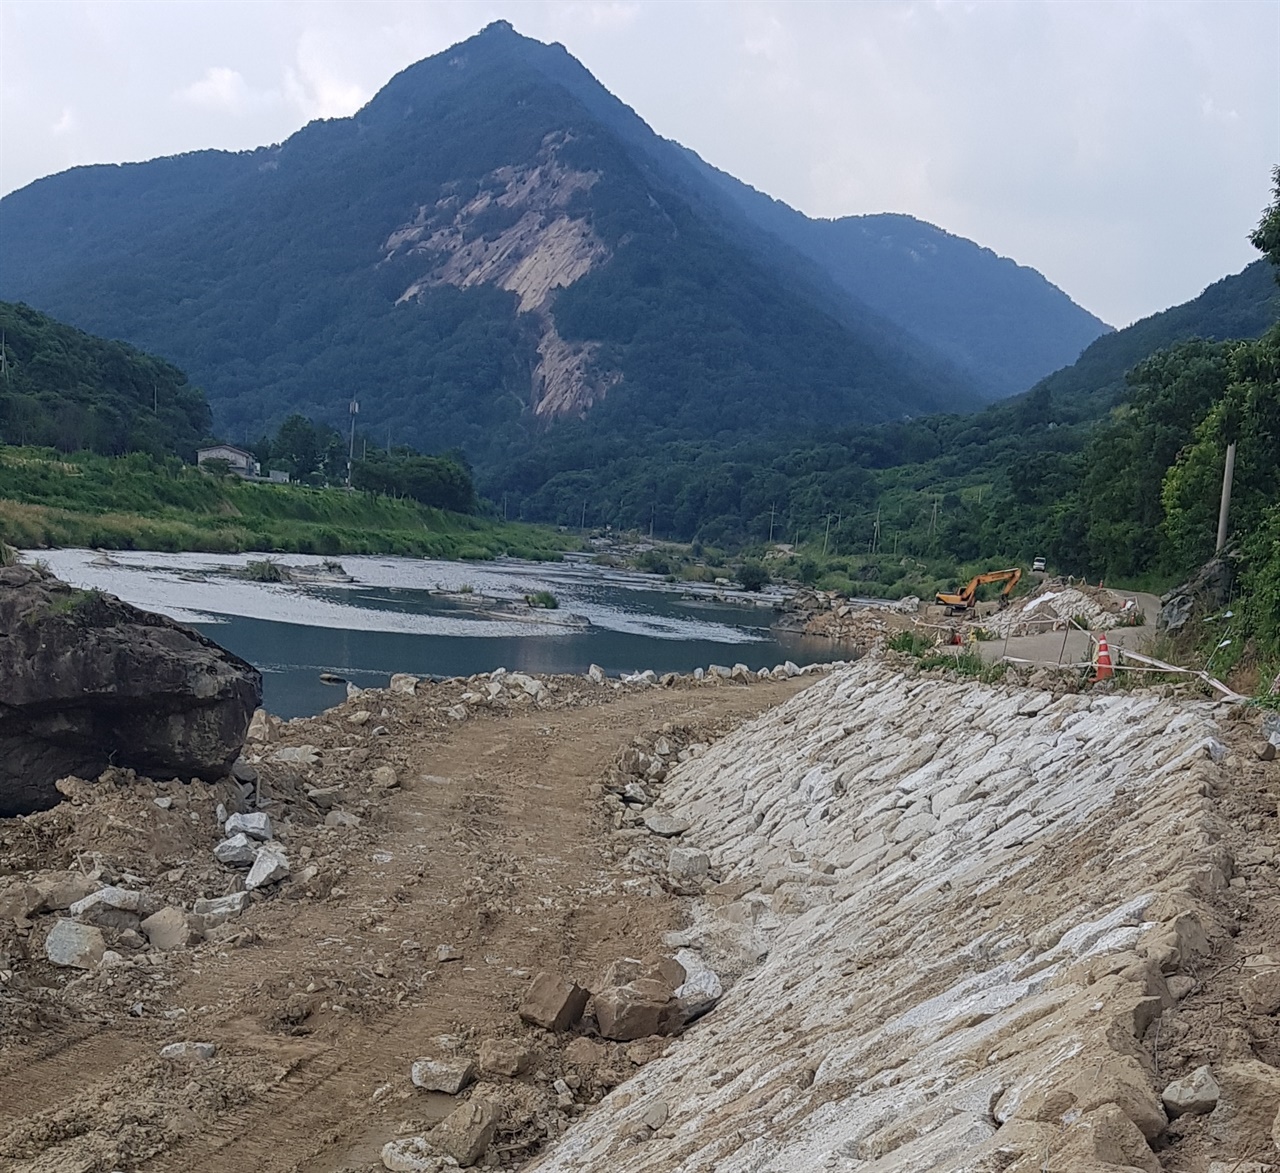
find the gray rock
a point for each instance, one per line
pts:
(238, 851)
(201, 1051)
(666, 826)
(256, 825)
(109, 897)
(241, 771)
(325, 797)
(91, 682)
(270, 866)
(73, 945)
(442, 1075)
(791, 668)
(688, 865)
(655, 1114)
(596, 674)
(167, 929)
(413, 1154)
(341, 819)
(701, 989)
(466, 1133)
(1192, 1095)
(298, 755)
(404, 684)
(220, 909)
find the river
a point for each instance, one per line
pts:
(391, 619)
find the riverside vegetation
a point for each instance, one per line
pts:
(140, 502)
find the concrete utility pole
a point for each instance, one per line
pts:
(351, 449)
(772, 510)
(826, 537)
(1228, 472)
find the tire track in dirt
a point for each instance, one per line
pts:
(517, 805)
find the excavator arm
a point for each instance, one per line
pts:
(964, 600)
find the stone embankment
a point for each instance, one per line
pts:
(957, 924)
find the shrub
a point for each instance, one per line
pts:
(914, 643)
(544, 599)
(264, 570)
(753, 576)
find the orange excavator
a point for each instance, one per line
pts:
(963, 602)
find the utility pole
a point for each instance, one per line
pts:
(933, 521)
(155, 399)
(583, 525)
(388, 439)
(1228, 472)
(351, 448)
(772, 510)
(653, 513)
(826, 537)
(875, 533)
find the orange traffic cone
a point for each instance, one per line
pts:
(1104, 671)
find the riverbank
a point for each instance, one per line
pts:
(926, 954)
(136, 503)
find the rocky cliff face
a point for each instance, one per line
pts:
(87, 681)
(523, 231)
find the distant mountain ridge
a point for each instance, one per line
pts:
(494, 246)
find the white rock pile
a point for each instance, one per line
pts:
(948, 916)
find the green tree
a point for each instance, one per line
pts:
(297, 446)
(1266, 237)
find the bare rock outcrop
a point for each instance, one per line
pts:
(89, 682)
(523, 232)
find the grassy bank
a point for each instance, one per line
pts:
(137, 503)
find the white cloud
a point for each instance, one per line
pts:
(316, 84)
(222, 90)
(66, 122)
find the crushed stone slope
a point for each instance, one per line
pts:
(954, 914)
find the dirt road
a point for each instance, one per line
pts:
(491, 859)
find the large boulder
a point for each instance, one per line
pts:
(1207, 591)
(87, 681)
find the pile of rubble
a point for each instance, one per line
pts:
(864, 624)
(1054, 606)
(123, 894)
(961, 927)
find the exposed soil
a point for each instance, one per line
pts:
(493, 841)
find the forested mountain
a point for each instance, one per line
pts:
(61, 388)
(1001, 321)
(496, 255)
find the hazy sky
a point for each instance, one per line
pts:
(1123, 149)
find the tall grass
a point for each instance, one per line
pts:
(134, 502)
